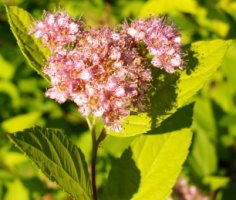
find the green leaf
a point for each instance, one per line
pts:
(20, 122)
(208, 56)
(202, 161)
(175, 90)
(115, 146)
(149, 168)
(228, 6)
(1, 187)
(206, 121)
(182, 118)
(7, 70)
(20, 22)
(17, 191)
(58, 158)
(158, 7)
(216, 182)
(10, 89)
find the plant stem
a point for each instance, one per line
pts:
(93, 164)
(95, 145)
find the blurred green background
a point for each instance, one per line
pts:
(211, 165)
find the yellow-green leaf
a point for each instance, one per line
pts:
(20, 122)
(149, 168)
(20, 22)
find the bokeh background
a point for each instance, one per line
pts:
(210, 170)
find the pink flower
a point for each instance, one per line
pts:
(57, 94)
(102, 70)
(120, 92)
(85, 75)
(56, 30)
(163, 41)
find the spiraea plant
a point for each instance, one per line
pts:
(134, 79)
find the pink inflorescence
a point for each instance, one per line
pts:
(102, 70)
(161, 39)
(57, 29)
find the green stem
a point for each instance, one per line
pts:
(95, 145)
(93, 164)
(90, 123)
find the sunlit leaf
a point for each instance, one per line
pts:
(216, 182)
(158, 7)
(149, 168)
(20, 22)
(6, 69)
(58, 158)
(20, 122)
(228, 6)
(228, 66)
(17, 191)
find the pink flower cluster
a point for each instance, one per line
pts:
(102, 70)
(57, 30)
(162, 41)
(183, 190)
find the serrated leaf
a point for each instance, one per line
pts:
(20, 22)
(149, 168)
(174, 90)
(58, 158)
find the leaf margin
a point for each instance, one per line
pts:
(12, 137)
